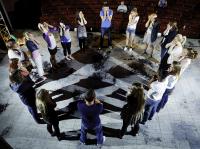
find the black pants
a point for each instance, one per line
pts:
(82, 43)
(55, 126)
(66, 48)
(126, 123)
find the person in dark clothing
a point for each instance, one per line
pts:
(90, 109)
(132, 112)
(46, 106)
(169, 34)
(22, 84)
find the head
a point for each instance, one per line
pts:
(122, 2)
(12, 44)
(42, 97)
(13, 65)
(16, 77)
(90, 96)
(62, 25)
(191, 54)
(153, 17)
(134, 11)
(28, 35)
(42, 28)
(176, 69)
(105, 6)
(180, 38)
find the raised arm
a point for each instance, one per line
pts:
(109, 15)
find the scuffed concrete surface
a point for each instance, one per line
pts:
(176, 126)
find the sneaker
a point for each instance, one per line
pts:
(100, 145)
(82, 143)
(130, 50)
(70, 57)
(67, 58)
(125, 48)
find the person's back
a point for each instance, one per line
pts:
(90, 109)
(90, 113)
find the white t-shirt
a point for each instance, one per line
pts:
(184, 64)
(53, 41)
(172, 80)
(149, 29)
(157, 90)
(122, 8)
(133, 23)
(18, 54)
(175, 54)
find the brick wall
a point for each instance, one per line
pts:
(185, 12)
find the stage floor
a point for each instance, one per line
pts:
(177, 126)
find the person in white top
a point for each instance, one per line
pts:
(154, 95)
(131, 27)
(16, 56)
(188, 55)
(122, 8)
(175, 48)
(172, 78)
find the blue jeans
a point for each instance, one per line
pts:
(33, 111)
(163, 52)
(103, 32)
(150, 109)
(164, 99)
(98, 130)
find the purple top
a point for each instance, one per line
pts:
(90, 114)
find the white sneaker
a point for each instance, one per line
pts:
(130, 50)
(104, 139)
(67, 58)
(100, 145)
(71, 57)
(125, 48)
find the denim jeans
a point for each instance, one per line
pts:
(150, 109)
(98, 130)
(33, 111)
(103, 32)
(164, 99)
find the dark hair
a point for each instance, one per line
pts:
(16, 77)
(90, 95)
(10, 43)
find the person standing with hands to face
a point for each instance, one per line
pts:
(131, 27)
(48, 36)
(150, 36)
(65, 40)
(106, 17)
(81, 30)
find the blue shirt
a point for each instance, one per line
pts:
(31, 46)
(106, 23)
(90, 114)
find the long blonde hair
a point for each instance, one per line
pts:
(42, 101)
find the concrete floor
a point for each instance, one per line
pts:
(177, 126)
